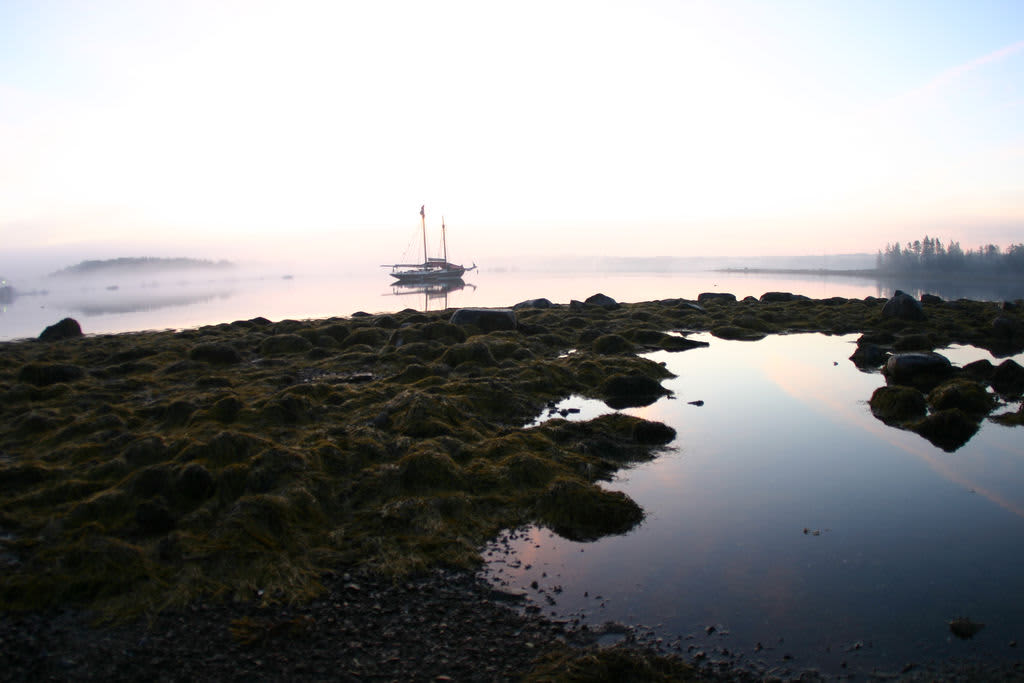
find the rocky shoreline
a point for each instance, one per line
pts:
(308, 499)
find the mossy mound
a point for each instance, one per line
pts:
(284, 343)
(897, 404)
(963, 394)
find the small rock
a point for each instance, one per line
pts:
(964, 628)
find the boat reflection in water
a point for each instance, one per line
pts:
(435, 294)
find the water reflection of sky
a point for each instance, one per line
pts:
(910, 536)
(273, 295)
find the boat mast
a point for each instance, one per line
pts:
(423, 220)
(444, 241)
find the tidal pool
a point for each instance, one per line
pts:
(787, 528)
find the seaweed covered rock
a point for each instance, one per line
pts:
(284, 343)
(215, 353)
(781, 297)
(705, 298)
(194, 483)
(487, 319)
(602, 300)
(469, 352)
(437, 331)
(897, 404)
(902, 306)
(43, 375)
(427, 469)
(586, 512)
(612, 343)
(68, 328)
(970, 397)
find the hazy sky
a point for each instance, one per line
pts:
(635, 128)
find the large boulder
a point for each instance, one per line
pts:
(902, 306)
(487, 319)
(68, 328)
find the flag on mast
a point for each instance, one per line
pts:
(422, 211)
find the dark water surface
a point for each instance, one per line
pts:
(786, 515)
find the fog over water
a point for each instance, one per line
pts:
(111, 300)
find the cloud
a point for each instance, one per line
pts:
(950, 76)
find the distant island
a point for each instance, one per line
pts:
(926, 258)
(142, 264)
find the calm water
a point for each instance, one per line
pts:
(115, 304)
(900, 536)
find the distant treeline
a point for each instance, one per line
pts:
(142, 264)
(930, 256)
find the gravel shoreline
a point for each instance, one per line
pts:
(443, 626)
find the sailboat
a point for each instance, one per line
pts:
(432, 269)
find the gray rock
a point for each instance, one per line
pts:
(930, 299)
(903, 307)
(487, 319)
(532, 303)
(909, 367)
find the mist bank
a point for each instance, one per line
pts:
(683, 264)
